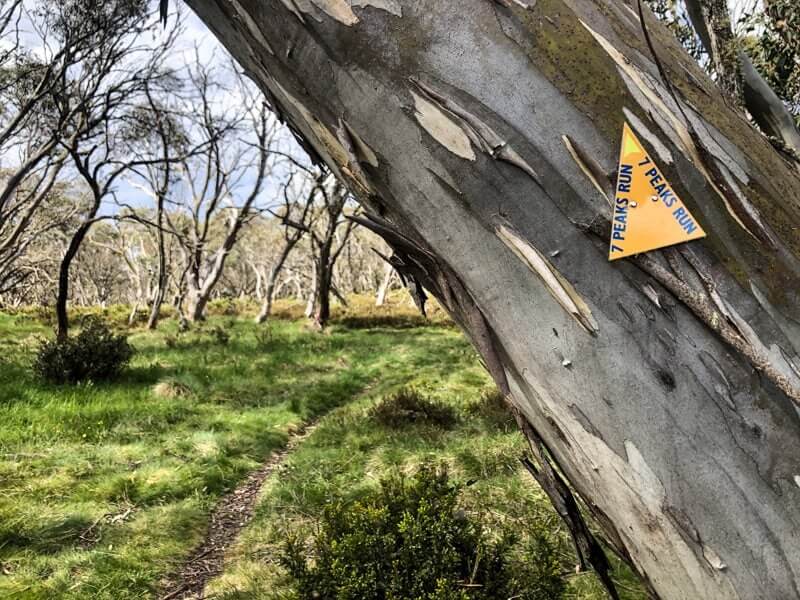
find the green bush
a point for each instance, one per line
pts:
(220, 336)
(232, 307)
(409, 406)
(410, 540)
(492, 408)
(265, 338)
(94, 354)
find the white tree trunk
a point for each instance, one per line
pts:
(380, 299)
(311, 301)
(478, 134)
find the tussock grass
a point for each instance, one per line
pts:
(491, 407)
(408, 407)
(106, 488)
(171, 389)
(183, 425)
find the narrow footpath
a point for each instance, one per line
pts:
(231, 514)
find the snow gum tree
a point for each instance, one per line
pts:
(481, 137)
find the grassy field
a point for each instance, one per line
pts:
(105, 489)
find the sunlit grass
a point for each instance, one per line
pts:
(105, 489)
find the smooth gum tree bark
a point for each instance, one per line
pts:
(479, 135)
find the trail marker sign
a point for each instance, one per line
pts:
(647, 214)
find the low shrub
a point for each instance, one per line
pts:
(232, 307)
(223, 306)
(288, 309)
(372, 321)
(35, 313)
(264, 338)
(409, 406)
(492, 408)
(183, 324)
(117, 315)
(397, 313)
(95, 353)
(220, 335)
(409, 540)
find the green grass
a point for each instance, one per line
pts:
(104, 489)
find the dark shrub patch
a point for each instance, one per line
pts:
(220, 336)
(265, 339)
(409, 406)
(492, 408)
(94, 354)
(391, 321)
(410, 540)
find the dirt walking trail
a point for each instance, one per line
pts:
(232, 512)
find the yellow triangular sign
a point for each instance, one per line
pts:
(647, 214)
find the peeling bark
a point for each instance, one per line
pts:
(587, 547)
(740, 76)
(662, 386)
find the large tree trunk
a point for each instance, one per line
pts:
(478, 135)
(195, 303)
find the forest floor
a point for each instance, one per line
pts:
(112, 491)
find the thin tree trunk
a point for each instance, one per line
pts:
(384, 287)
(200, 290)
(161, 281)
(62, 319)
(311, 303)
(478, 135)
(259, 289)
(298, 288)
(195, 300)
(323, 311)
(266, 307)
(134, 312)
(723, 47)
(338, 295)
(136, 282)
(322, 314)
(155, 308)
